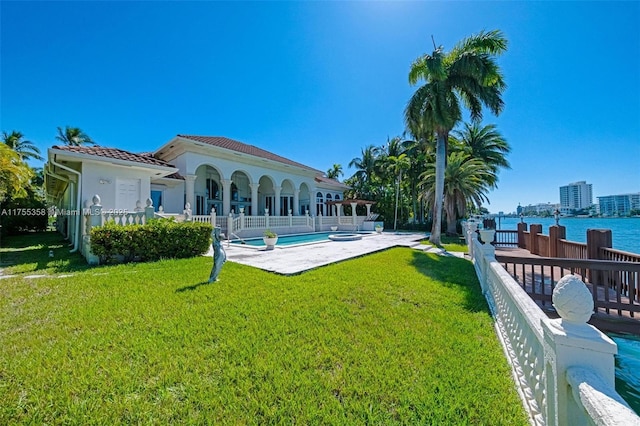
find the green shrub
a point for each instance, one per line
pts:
(157, 239)
(22, 215)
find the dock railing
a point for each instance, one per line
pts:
(563, 368)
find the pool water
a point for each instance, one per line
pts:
(288, 240)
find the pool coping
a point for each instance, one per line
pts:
(296, 259)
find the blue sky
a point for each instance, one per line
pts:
(318, 81)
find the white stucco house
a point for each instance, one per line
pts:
(208, 173)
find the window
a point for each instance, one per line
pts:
(319, 204)
(329, 206)
(212, 190)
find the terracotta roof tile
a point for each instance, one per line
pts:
(115, 153)
(330, 181)
(243, 148)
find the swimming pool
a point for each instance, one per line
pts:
(289, 240)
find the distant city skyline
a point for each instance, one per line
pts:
(318, 81)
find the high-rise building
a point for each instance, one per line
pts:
(575, 196)
(619, 205)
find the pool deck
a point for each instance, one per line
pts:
(296, 259)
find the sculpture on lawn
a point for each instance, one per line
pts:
(219, 255)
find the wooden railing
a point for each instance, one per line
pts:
(618, 255)
(572, 250)
(615, 286)
(543, 245)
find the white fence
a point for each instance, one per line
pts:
(233, 226)
(564, 368)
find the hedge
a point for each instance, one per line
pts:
(157, 239)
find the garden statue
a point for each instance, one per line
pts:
(219, 256)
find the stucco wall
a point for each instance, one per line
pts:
(102, 179)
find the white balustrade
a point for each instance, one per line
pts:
(551, 357)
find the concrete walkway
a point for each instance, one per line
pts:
(297, 259)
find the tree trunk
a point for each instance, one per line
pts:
(441, 148)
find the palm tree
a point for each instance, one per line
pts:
(468, 75)
(466, 183)
(25, 149)
(335, 171)
(486, 144)
(73, 136)
(365, 166)
(397, 165)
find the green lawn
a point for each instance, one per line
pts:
(451, 244)
(397, 337)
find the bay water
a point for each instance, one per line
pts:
(625, 231)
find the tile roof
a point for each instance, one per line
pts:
(243, 148)
(330, 181)
(114, 153)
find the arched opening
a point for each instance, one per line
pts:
(207, 188)
(286, 198)
(267, 195)
(304, 200)
(240, 193)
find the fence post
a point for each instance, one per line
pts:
(556, 233)
(570, 342)
(533, 235)
(187, 212)
(213, 217)
(522, 228)
(242, 226)
(230, 229)
(597, 238)
(266, 218)
(94, 219)
(149, 212)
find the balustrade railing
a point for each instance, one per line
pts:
(545, 354)
(506, 238)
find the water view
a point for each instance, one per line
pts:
(625, 231)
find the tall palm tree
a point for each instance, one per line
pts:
(465, 184)
(397, 165)
(25, 149)
(468, 75)
(335, 171)
(73, 136)
(486, 144)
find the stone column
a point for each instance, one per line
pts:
(94, 219)
(149, 211)
(368, 209)
(276, 208)
(226, 196)
(296, 202)
(190, 189)
(254, 198)
(573, 346)
(353, 213)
